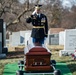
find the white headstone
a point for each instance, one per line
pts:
(10, 39)
(22, 37)
(28, 37)
(18, 38)
(15, 39)
(69, 41)
(61, 37)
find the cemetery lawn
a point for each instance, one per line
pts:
(14, 56)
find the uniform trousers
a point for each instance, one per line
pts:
(38, 40)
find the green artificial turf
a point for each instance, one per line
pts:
(64, 69)
(10, 69)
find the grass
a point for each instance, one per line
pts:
(67, 59)
(3, 62)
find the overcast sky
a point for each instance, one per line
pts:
(65, 3)
(68, 3)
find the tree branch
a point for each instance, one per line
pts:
(19, 16)
(22, 13)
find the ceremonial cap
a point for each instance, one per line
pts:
(38, 6)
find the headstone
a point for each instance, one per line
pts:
(10, 40)
(2, 38)
(70, 39)
(22, 37)
(50, 36)
(15, 38)
(28, 39)
(54, 39)
(7, 41)
(18, 38)
(69, 42)
(61, 38)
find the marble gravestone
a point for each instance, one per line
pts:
(17, 38)
(69, 42)
(28, 39)
(22, 37)
(61, 38)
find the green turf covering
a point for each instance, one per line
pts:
(10, 69)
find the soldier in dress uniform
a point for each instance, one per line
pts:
(40, 26)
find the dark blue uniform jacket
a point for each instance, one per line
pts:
(38, 21)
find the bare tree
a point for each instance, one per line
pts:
(27, 9)
(14, 14)
(56, 14)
